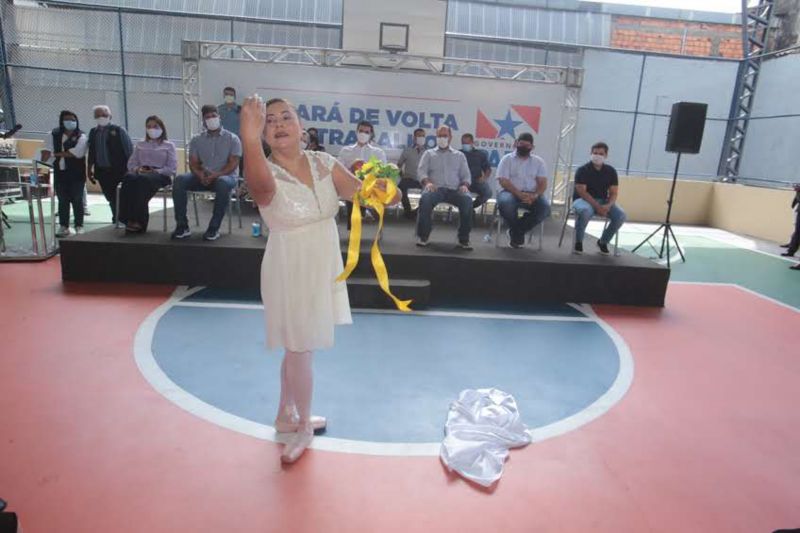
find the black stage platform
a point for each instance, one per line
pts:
(437, 275)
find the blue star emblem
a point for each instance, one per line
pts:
(507, 125)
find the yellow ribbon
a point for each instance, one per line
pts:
(377, 199)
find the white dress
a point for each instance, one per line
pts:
(302, 300)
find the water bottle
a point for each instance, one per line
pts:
(256, 229)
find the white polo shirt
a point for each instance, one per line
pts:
(522, 172)
(350, 154)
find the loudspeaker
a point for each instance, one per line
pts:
(686, 124)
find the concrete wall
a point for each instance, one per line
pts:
(773, 137)
(426, 19)
(636, 131)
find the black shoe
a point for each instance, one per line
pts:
(788, 254)
(512, 242)
(603, 247)
(796, 267)
(181, 233)
(578, 248)
(464, 245)
(784, 245)
(211, 235)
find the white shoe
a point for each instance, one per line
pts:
(299, 441)
(79, 230)
(422, 242)
(63, 231)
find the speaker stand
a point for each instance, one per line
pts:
(666, 227)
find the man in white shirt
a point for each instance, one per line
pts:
(65, 148)
(354, 155)
(445, 177)
(523, 177)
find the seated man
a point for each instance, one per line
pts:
(354, 155)
(445, 177)
(523, 177)
(214, 162)
(596, 188)
(408, 165)
(479, 169)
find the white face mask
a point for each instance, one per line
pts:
(212, 124)
(363, 138)
(598, 159)
(229, 99)
(420, 141)
(154, 133)
(103, 121)
(443, 142)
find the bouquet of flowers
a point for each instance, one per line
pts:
(376, 169)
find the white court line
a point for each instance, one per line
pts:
(149, 368)
(456, 314)
(741, 288)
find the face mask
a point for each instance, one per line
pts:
(103, 121)
(154, 133)
(523, 151)
(303, 145)
(70, 125)
(212, 123)
(466, 147)
(313, 139)
(442, 142)
(420, 141)
(598, 159)
(229, 99)
(363, 138)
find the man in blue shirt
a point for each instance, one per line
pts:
(444, 175)
(479, 169)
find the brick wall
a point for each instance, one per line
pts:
(677, 37)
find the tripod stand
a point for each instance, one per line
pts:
(666, 226)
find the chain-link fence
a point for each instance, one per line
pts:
(124, 54)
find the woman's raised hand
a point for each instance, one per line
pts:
(253, 117)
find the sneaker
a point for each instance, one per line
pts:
(422, 242)
(511, 242)
(181, 233)
(578, 248)
(211, 235)
(603, 247)
(79, 230)
(63, 231)
(119, 225)
(464, 245)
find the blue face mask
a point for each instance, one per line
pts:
(70, 125)
(466, 147)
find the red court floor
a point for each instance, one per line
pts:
(705, 440)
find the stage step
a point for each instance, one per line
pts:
(366, 293)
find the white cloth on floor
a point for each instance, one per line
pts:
(482, 425)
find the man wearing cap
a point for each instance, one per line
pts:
(523, 178)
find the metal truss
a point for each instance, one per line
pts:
(571, 78)
(755, 31)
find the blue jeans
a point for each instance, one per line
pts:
(429, 200)
(584, 212)
(221, 187)
(483, 190)
(508, 204)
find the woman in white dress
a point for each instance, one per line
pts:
(297, 193)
